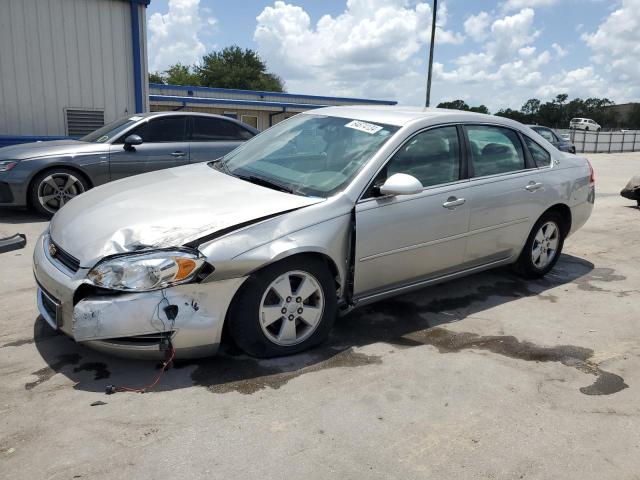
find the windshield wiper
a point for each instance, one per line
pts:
(223, 165)
(266, 183)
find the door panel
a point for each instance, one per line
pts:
(207, 151)
(212, 138)
(504, 195)
(400, 240)
(501, 214)
(164, 145)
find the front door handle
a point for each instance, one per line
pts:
(533, 186)
(178, 154)
(453, 202)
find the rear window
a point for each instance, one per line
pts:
(206, 129)
(494, 150)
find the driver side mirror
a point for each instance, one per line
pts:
(131, 141)
(401, 184)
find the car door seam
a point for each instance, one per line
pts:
(444, 239)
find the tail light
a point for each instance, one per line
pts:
(592, 175)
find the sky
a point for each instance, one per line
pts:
(493, 52)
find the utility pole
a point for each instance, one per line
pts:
(433, 37)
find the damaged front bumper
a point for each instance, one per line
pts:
(131, 324)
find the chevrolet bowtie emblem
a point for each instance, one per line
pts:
(52, 250)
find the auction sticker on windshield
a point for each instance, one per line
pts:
(364, 126)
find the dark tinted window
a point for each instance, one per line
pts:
(539, 154)
(494, 150)
(163, 129)
(216, 129)
(433, 157)
(546, 134)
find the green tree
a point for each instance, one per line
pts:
(512, 114)
(633, 117)
(156, 77)
(530, 109)
(480, 109)
(454, 105)
(180, 74)
(234, 67)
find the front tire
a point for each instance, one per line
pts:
(51, 189)
(543, 247)
(284, 309)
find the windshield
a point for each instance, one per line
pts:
(110, 130)
(311, 155)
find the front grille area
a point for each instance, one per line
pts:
(146, 340)
(49, 306)
(66, 259)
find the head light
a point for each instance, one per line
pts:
(147, 271)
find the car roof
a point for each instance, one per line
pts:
(196, 114)
(400, 116)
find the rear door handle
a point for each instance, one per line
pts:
(178, 154)
(453, 202)
(533, 186)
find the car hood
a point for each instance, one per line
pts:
(25, 151)
(167, 208)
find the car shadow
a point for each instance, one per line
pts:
(405, 321)
(20, 215)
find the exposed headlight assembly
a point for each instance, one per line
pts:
(6, 165)
(146, 271)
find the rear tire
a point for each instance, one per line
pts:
(284, 309)
(543, 247)
(51, 189)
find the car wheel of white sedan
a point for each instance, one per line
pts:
(285, 308)
(543, 247)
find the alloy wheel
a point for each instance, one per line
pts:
(545, 245)
(57, 189)
(291, 308)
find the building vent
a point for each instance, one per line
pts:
(82, 122)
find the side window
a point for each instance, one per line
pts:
(207, 129)
(546, 134)
(494, 150)
(163, 129)
(433, 157)
(539, 154)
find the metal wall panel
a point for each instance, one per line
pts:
(57, 54)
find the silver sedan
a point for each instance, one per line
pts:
(323, 213)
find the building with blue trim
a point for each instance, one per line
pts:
(256, 108)
(69, 66)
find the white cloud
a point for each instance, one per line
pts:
(476, 26)
(560, 51)
(510, 33)
(616, 48)
(518, 4)
(174, 36)
(369, 49)
(582, 81)
(507, 71)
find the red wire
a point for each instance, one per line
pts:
(155, 382)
